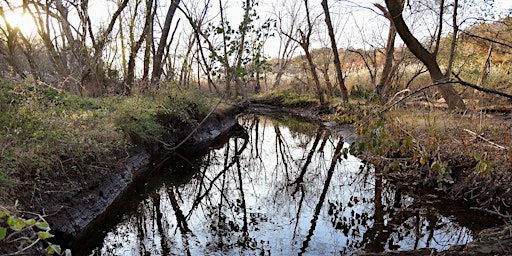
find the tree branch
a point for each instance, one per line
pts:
(486, 39)
(479, 88)
(460, 81)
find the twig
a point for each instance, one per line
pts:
(24, 248)
(486, 140)
(491, 212)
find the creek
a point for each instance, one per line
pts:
(276, 186)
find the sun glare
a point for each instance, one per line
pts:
(17, 19)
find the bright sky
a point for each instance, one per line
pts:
(364, 18)
(503, 5)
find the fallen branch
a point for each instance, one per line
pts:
(460, 81)
(486, 140)
(495, 109)
(414, 93)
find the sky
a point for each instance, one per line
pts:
(349, 25)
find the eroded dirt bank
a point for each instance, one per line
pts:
(69, 212)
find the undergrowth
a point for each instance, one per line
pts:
(429, 144)
(53, 139)
(56, 141)
(289, 98)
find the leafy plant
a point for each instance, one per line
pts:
(444, 174)
(26, 233)
(483, 166)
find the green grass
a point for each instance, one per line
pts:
(52, 139)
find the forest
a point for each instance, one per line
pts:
(85, 85)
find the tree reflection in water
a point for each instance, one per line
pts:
(287, 188)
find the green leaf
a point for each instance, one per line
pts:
(44, 235)
(2, 214)
(53, 248)
(42, 225)
(16, 224)
(30, 222)
(3, 233)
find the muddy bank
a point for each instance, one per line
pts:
(70, 212)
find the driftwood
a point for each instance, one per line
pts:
(494, 108)
(480, 88)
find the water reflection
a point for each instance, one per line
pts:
(288, 188)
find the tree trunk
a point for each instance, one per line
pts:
(157, 59)
(149, 46)
(304, 43)
(225, 51)
(122, 44)
(244, 27)
(334, 47)
(454, 38)
(312, 68)
(451, 96)
(186, 66)
(328, 84)
(388, 62)
(130, 77)
(257, 87)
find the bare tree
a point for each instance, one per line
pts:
(134, 50)
(286, 45)
(157, 58)
(334, 47)
(451, 96)
(304, 42)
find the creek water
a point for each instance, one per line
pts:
(280, 187)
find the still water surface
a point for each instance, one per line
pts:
(284, 188)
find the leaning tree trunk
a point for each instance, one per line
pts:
(316, 80)
(337, 63)
(451, 96)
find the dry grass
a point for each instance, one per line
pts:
(468, 155)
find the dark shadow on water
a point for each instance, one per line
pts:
(285, 187)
